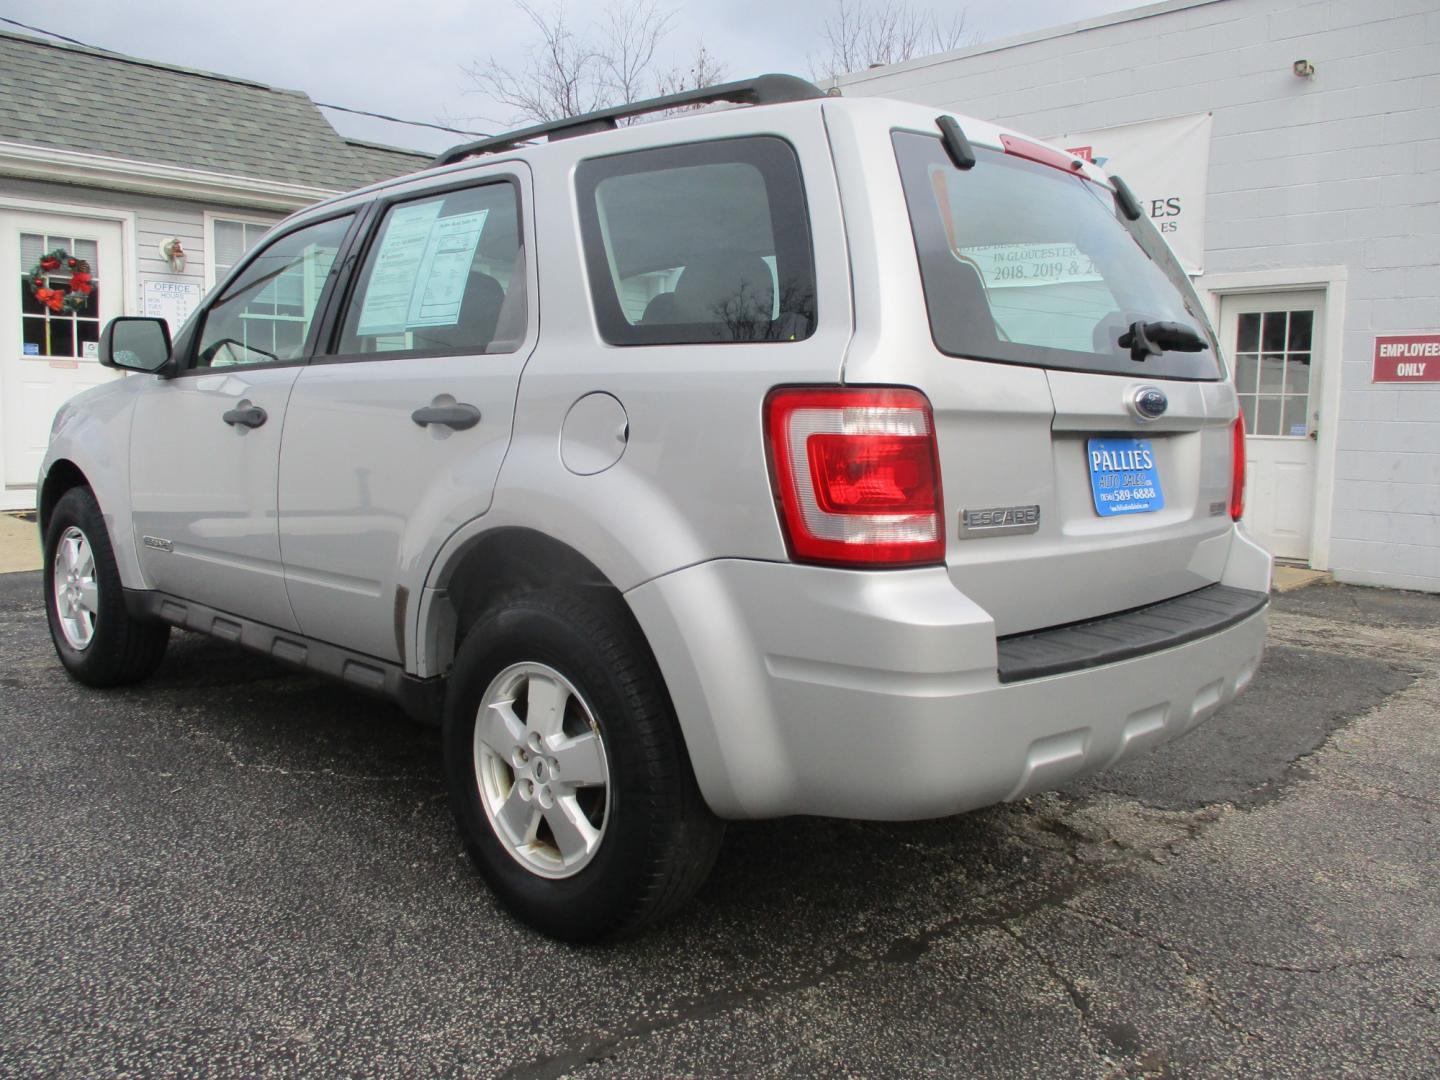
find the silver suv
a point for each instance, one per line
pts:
(809, 457)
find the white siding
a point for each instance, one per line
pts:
(1339, 169)
(157, 219)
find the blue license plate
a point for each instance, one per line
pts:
(1124, 477)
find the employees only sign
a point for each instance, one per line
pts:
(1407, 358)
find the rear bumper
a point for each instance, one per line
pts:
(804, 690)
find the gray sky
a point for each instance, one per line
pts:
(405, 58)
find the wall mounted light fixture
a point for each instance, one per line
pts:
(1303, 68)
(174, 254)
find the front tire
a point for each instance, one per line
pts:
(97, 640)
(568, 775)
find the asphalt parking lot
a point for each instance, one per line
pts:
(235, 870)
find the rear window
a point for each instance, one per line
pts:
(1024, 264)
(704, 242)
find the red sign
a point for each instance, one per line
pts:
(1407, 358)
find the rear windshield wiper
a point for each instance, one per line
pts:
(1153, 338)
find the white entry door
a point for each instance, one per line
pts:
(1275, 347)
(48, 356)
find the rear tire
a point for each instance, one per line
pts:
(568, 775)
(97, 640)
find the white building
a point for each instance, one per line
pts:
(1290, 149)
(108, 159)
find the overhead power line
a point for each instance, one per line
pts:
(52, 33)
(396, 119)
(321, 104)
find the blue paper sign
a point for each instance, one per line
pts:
(31, 349)
(1124, 476)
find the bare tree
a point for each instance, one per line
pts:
(559, 77)
(633, 31)
(703, 70)
(612, 60)
(863, 33)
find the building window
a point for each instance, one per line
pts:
(58, 333)
(1272, 372)
(229, 240)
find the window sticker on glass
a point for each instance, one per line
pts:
(445, 269)
(402, 248)
(421, 270)
(1006, 265)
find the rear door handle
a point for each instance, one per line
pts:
(247, 415)
(458, 416)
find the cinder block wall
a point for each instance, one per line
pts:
(1339, 169)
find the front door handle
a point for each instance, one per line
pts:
(247, 415)
(458, 416)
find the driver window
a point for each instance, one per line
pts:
(265, 315)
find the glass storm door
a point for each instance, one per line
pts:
(48, 355)
(1275, 348)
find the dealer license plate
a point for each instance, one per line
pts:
(1124, 477)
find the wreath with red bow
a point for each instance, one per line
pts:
(68, 296)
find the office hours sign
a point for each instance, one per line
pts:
(1165, 162)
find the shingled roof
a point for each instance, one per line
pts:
(72, 98)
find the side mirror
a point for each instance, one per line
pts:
(136, 344)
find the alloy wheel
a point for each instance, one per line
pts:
(77, 596)
(540, 764)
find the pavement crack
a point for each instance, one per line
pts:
(228, 750)
(1346, 783)
(1079, 1000)
(1342, 965)
(333, 774)
(1202, 982)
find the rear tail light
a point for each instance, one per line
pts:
(857, 475)
(1237, 474)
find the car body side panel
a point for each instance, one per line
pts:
(366, 494)
(92, 431)
(692, 483)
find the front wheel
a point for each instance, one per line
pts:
(97, 640)
(568, 775)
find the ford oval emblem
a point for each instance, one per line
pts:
(1150, 402)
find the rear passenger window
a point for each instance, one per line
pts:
(703, 242)
(443, 274)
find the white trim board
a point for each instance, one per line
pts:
(1331, 280)
(151, 178)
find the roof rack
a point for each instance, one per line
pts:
(761, 90)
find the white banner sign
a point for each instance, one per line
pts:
(1165, 163)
